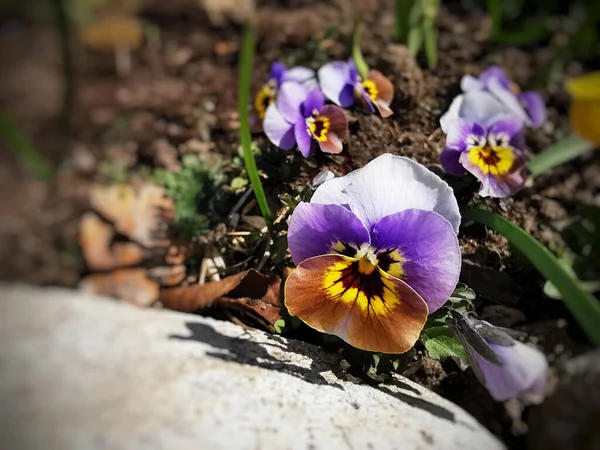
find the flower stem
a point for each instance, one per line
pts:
(583, 305)
(361, 65)
(564, 150)
(245, 73)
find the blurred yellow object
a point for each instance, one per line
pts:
(110, 32)
(585, 107)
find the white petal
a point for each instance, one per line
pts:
(452, 114)
(480, 107)
(471, 83)
(387, 185)
(299, 74)
(508, 99)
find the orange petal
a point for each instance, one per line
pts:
(385, 92)
(371, 310)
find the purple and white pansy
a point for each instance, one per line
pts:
(484, 129)
(301, 117)
(507, 368)
(277, 76)
(490, 151)
(376, 251)
(342, 84)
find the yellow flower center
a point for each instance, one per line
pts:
(318, 127)
(493, 160)
(371, 89)
(263, 99)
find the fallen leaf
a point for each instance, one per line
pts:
(112, 31)
(131, 285)
(135, 213)
(248, 293)
(95, 238)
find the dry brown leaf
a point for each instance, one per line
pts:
(95, 237)
(249, 292)
(112, 31)
(135, 214)
(131, 285)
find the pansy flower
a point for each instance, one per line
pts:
(300, 116)
(279, 74)
(488, 150)
(376, 251)
(342, 84)
(528, 106)
(507, 368)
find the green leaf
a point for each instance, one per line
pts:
(584, 306)
(441, 343)
(402, 11)
(245, 70)
(561, 152)
(238, 183)
(279, 325)
(461, 299)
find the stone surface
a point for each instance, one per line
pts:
(79, 371)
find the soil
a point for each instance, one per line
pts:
(180, 97)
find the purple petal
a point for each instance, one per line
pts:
(365, 99)
(314, 101)
(289, 100)
(508, 99)
(450, 162)
(303, 138)
(430, 248)
(522, 372)
(277, 72)
(387, 185)
(299, 74)
(462, 132)
(506, 124)
(494, 74)
(535, 107)
(352, 72)
(279, 131)
(336, 84)
(314, 229)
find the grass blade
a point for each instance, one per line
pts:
(583, 305)
(23, 148)
(245, 71)
(430, 13)
(564, 150)
(361, 64)
(402, 9)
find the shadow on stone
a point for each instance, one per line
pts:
(244, 351)
(432, 408)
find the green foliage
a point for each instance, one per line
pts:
(559, 153)
(192, 189)
(441, 343)
(22, 147)
(439, 340)
(581, 233)
(245, 71)
(416, 27)
(584, 306)
(361, 65)
(374, 367)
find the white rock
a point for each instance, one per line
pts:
(84, 372)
